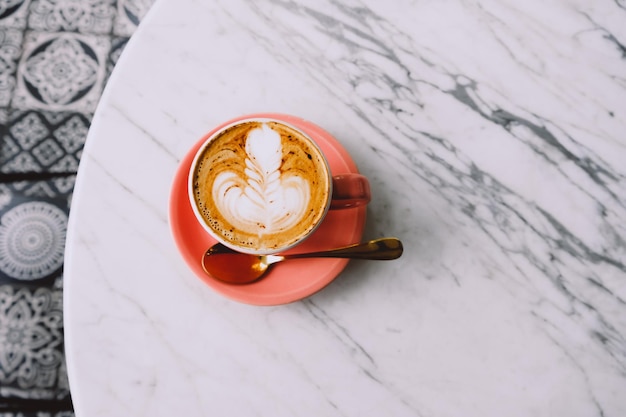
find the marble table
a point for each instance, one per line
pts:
(493, 134)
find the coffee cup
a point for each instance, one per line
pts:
(261, 185)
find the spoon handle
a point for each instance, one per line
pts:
(384, 249)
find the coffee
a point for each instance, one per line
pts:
(261, 185)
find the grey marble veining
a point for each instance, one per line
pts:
(493, 137)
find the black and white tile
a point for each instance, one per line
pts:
(10, 51)
(32, 365)
(61, 72)
(33, 223)
(55, 58)
(93, 16)
(14, 13)
(43, 141)
(129, 14)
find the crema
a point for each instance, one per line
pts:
(261, 185)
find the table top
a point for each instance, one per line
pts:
(492, 133)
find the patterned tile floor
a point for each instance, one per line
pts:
(55, 57)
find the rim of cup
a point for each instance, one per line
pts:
(210, 137)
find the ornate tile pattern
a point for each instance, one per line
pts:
(10, 51)
(61, 71)
(55, 58)
(117, 46)
(84, 16)
(32, 240)
(31, 343)
(129, 14)
(13, 13)
(33, 223)
(40, 141)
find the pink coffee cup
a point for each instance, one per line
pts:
(261, 185)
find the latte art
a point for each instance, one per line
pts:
(263, 199)
(261, 185)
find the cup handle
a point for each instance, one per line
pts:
(350, 190)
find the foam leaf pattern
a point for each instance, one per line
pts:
(265, 199)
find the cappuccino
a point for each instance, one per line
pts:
(260, 186)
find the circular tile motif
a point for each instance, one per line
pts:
(32, 240)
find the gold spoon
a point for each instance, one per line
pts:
(234, 267)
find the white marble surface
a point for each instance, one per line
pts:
(493, 133)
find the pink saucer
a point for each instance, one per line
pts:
(289, 281)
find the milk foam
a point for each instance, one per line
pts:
(263, 200)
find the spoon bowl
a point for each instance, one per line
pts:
(234, 267)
